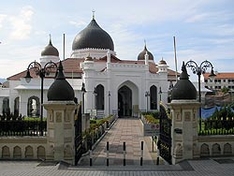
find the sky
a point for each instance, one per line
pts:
(203, 30)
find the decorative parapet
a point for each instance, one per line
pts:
(128, 66)
(93, 52)
(23, 148)
(216, 145)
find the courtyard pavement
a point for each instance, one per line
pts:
(128, 130)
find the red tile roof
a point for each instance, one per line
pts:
(224, 75)
(72, 65)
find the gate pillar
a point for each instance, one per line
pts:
(184, 130)
(60, 131)
(60, 120)
(184, 112)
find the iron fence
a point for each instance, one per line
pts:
(13, 127)
(223, 126)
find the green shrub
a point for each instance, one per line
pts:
(155, 114)
(151, 119)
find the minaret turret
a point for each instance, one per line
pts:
(50, 53)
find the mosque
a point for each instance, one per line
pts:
(104, 83)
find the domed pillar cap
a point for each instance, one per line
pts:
(60, 90)
(184, 89)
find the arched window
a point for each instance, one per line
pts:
(33, 106)
(153, 97)
(5, 106)
(100, 97)
(16, 106)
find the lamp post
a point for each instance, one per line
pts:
(198, 70)
(42, 72)
(160, 94)
(147, 94)
(109, 95)
(95, 102)
(83, 90)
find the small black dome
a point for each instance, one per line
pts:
(60, 90)
(93, 36)
(50, 50)
(162, 62)
(184, 89)
(88, 58)
(141, 56)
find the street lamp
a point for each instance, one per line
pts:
(147, 94)
(95, 102)
(160, 94)
(42, 72)
(83, 90)
(201, 69)
(109, 95)
(95, 94)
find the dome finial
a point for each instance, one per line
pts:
(50, 43)
(145, 45)
(145, 42)
(184, 74)
(93, 14)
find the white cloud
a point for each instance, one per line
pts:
(21, 24)
(78, 23)
(2, 18)
(197, 18)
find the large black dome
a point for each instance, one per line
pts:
(93, 36)
(184, 89)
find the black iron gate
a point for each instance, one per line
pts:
(165, 135)
(78, 134)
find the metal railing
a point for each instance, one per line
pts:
(20, 127)
(223, 126)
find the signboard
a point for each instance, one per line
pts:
(151, 129)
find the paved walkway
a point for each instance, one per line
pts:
(129, 131)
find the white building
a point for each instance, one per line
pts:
(112, 85)
(221, 80)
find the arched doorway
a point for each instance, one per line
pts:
(124, 101)
(153, 98)
(16, 106)
(99, 103)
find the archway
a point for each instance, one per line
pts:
(125, 101)
(16, 106)
(153, 97)
(99, 103)
(33, 106)
(5, 106)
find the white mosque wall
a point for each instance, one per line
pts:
(25, 90)
(116, 75)
(111, 75)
